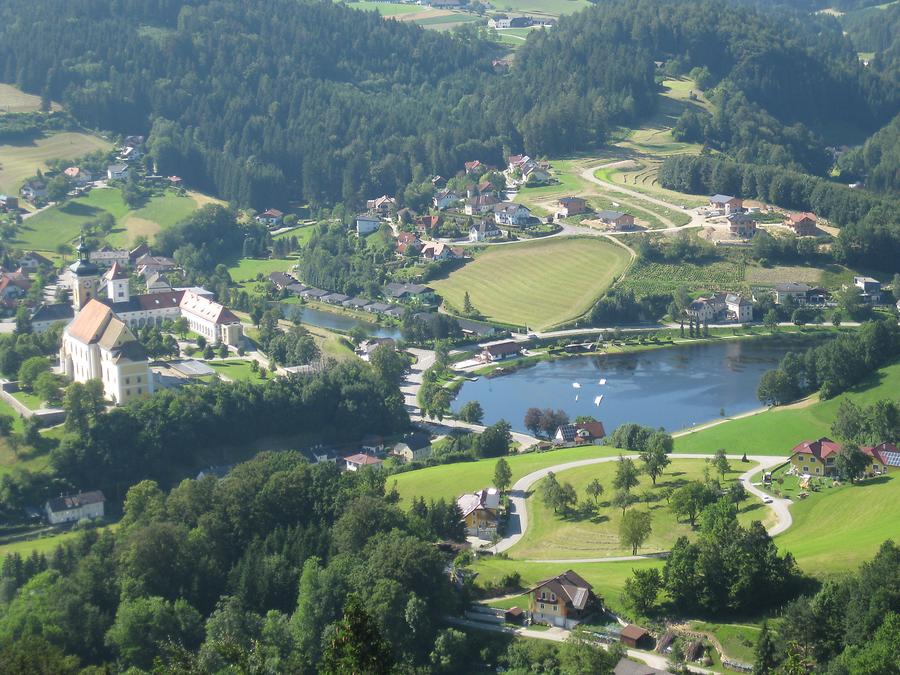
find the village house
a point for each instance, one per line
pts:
(535, 174)
(739, 308)
(360, 461)
(415, 447)
(618, 219)
(366, 224)
(499, 22)
(72, 508)
(796, 292)
(156, 282)
(512, 214)
(78, 176)
(366, 348)
(117, 172)
(106, 257)
(9, 203)
(33, 190)
(476, 168)
(408, 243)
(478, 206)
(707, 309)
(280, 280)
(154, 264)
(741, 225)
(31, 261)
(580, 433)
(480, 512)
(870, 289)
(563, 600)
(499, 350)
(437, 250)
(438, 182)
(356, 303)
(270, 218)
(817, 458)
(47, 315)
(426, 224)
(726, 204)
(138, 252)
(175, 181)
(570, 206)
(14, 286)
(803, 224)
(383, 206)
(444, 199)
(334, 298)
(398, 291)
(486, 229)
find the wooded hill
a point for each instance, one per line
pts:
(277, 99)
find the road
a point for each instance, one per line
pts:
(518, 513)
(555, 634)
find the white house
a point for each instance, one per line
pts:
(740, 307)
(486, 229)
(270, 218)
(414, 447)
(510, 213)
(444, 199)
(72, 508)
(360, 461)
(366, 224)
(117, 171)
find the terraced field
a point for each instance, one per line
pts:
(536, 284)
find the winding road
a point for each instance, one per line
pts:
(518, 513)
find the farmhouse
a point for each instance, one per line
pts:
(618, 219)
(803, 224)
(741, 225)
(510, 213)
(739, 308)
(414, 447)
(570, 206)
(562, 600)
(366, 224)
(72, 508)
(382, 206)
(486, 229)
(499, 22)
(870, 289)
(726, 203)
(707, 309)
(580, 433)
(33, 189)
(480, 512)
(499, 350)
(270, 218)
(817, 458)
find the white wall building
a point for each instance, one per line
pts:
(72, 508)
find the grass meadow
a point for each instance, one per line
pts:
(537, 283)
(20, 160)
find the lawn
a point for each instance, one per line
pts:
(551, 536)
(737, 639)
(540, 283)
(303, 233)
(776, 431)
(386, 8)
(653, 278)
(247, 269)
(608, 579)
(29, 400)
(13, 100)
(62, 224)
(836, 529)
(235, 370)
(541, 7)
(451, 480)
(18, 161)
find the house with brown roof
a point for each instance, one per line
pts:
(741, 225)
(270, 218)
(562, 601)
(382, 206)
(803, 224)
(361, 461)
(570, 206)
(72, 508)
(818, 458)
(618, 219)
(635, 636)
(499, 350)
(480, 512)
(726, 203)
(31, 261)
(580, 433)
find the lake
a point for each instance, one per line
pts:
(674, 388)
(341, 322)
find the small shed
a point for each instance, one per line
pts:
(514, 615)
(635, 636)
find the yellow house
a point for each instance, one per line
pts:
(817, 458)
(562, 600)
(480, 512)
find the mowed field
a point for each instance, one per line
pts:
(18, 161)
(541, 7)
(550, 536)
(778, 430)
(13, 100)
(48, 229)
(539, 283)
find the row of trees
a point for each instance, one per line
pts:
(833, 367)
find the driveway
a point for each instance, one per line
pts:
(518, 513)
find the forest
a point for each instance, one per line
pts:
(274, 101)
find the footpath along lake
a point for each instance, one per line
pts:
(675, 388)
(336, 321)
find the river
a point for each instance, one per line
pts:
(674, 388)
(335, 321)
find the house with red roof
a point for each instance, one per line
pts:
(803, 224)
(818, 458)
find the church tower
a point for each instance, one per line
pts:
(85, 277)
(117, 280)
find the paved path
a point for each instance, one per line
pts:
(518, 512)
(556, 634)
